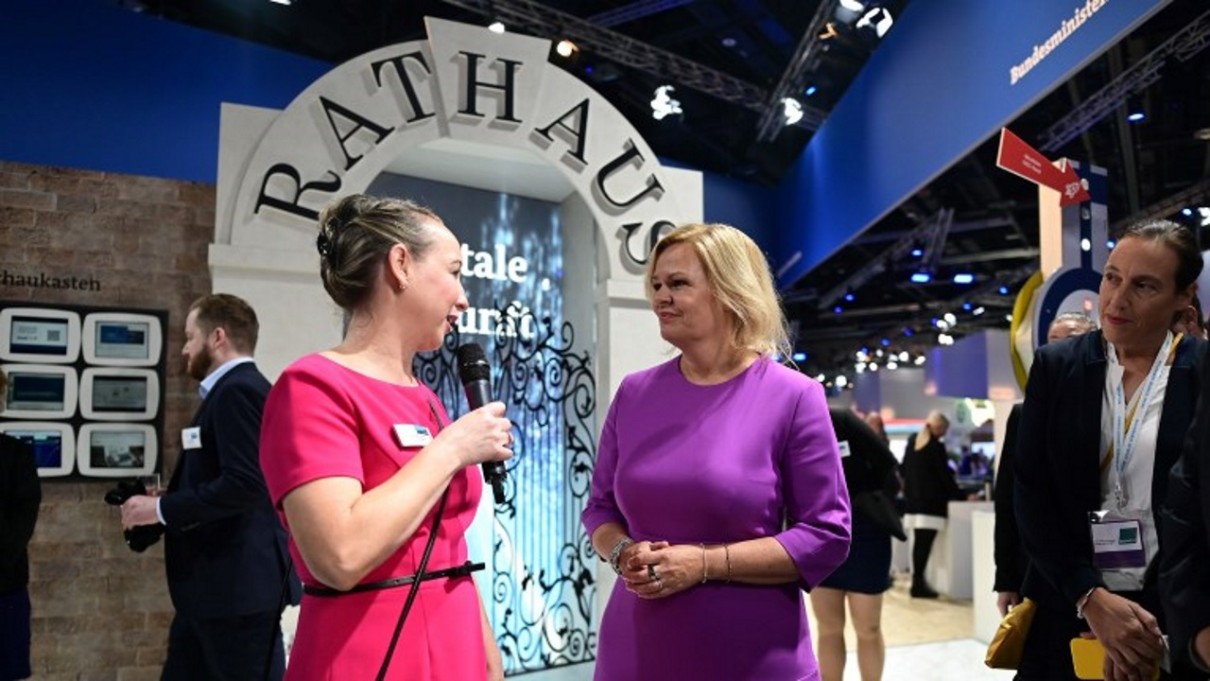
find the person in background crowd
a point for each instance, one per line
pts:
(371, 476)
(1010, 559)
(928, 487)
(1102, 424)
(869, 470)
(224, 549)
(1189, 321)
(20, 496)
(718, 491)
(875, 422)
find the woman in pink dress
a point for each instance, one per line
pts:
(718, 490)
(365, 465)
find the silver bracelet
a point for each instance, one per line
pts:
(616, 553)
(1083, 601)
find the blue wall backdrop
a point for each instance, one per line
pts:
(938, 86)
(88, 85)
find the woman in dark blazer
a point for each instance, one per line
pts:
(928, 487)
(1075, 457)
(1010, 559)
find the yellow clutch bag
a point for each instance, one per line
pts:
(1088, 659)
(1006, 647)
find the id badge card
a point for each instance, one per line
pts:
(1117, 541)
(845, 451)
(191, 438)
(412, 435)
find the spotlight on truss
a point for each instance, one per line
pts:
(792, 110)
(878, 19)
(663, 104)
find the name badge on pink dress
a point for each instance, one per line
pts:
(412, 435)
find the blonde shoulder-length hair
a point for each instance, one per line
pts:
(925, 436)
(739, 277)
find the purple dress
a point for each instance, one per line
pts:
(725, 463)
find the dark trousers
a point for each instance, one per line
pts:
(14, 635)
(922, 546)
(225, 648)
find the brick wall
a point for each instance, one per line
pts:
(100, 611)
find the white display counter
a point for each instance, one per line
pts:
(950, 569)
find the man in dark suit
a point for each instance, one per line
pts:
(228, 569)
(20, 496)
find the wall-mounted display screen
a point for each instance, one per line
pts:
(119, 394)
(115, 450)
(54, 444)
(30, 334)
(34, 336)
(40, 392)
(122, 339)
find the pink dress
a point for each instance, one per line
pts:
(324, 420)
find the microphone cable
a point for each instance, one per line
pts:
(424, 563)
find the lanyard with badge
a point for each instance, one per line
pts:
(1117, 535)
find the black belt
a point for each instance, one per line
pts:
(459, 571)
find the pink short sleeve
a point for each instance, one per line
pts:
(309, 429)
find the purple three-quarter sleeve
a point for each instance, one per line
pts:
(602, 506)
(817, 501)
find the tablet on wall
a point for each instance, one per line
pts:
(54, 444)
(40, 391)
(30, 334)
(122, 339)
(116, 450)
(119, 394)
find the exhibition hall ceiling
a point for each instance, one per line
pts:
(1158, 164)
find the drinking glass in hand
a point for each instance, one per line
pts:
(151, 483)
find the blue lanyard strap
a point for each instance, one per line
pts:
(1125, 424)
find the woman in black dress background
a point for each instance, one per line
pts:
(869, 467)
(928, 487)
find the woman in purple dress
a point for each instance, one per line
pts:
(718, 491)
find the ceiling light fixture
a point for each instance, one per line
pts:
(566, 48)
(663, 104)
(792, 110)
(878, 19)
(496, 27)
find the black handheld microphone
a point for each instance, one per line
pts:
(475, 374)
